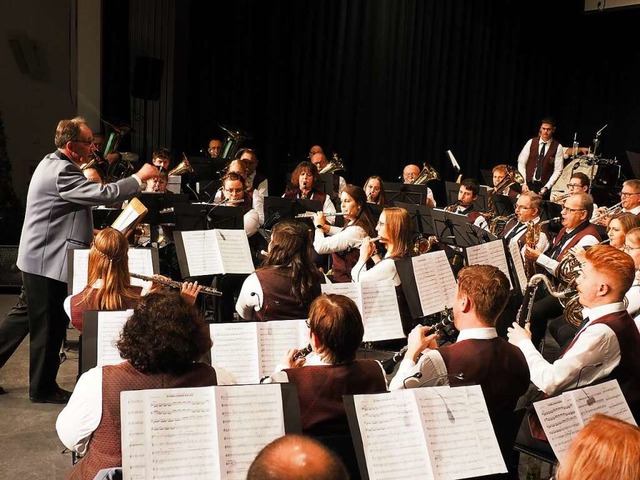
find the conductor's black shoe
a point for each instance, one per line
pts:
(57, 396)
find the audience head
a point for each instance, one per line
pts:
(604, 448)
(161, 158)
(164, 335)
(577, 209)
(483, 289)
(410, 173)
(250, 159)
(607, 273)
(336, 325)
(295, 457)
(374, 189)
(630, 194)
(619, 226)
(396, 231)
(215, 147)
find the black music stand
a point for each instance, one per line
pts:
(326, 183)
(204, 181)
(157, 205)
(481, 235)
(104, 217)
(453, 228)
(405, 193)
(503, 205)
(278, 208)
(480, 203)
(487, 176)
(193, 216)
(374, 209)
(421, 216)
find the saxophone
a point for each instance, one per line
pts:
(531, 238)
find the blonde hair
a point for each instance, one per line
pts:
(604, 448)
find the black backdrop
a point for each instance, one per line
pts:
(388, 82)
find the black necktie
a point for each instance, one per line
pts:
(538, 174)
(514, 231)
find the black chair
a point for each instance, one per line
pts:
(525, 443)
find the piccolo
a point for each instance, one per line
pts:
(303, 352)
(327, 214)
(175, 284)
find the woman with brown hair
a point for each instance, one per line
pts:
(108, 283)
(618, 228)
(288, 270)
(374, 189)
(342, 243)
(302, 186)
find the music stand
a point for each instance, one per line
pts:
(325, 183)
(503, 205)
(157, 202)
(480, 203)
(193, 216)
(487, 176)
(204, 181)
(550, 210)
(421, 216)
(453, 228)
(374, 209)
(406, 193)
(278, 208)
(104, 217)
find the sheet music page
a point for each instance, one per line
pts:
(126, 219)
(560, 421)
(435, 281)
(605, 398)
(392, 436)
(351, 290)
(234, 250)
(80, 269)
(201, 250)
(514, 251)
(132, 435)
(249, 417)
(490, 253)
(276, 338)
(109, 327)
(140, 262)
(235, 348)
(180, 434)
(460, 436)
(380, 312)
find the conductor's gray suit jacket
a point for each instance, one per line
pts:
(58, 214)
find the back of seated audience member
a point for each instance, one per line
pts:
(161, 344)
(331, 370)
(296, 457)
(605, 448)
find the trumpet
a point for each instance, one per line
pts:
(562, 198)
(175, 284)
(613, 211)
(326, 214)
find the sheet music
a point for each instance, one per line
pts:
(140, 261)
(109, 327)
(560, 421)
(234, 251)
(203, 255)
(394, 444)
(180, 437)
(514, 251)
(435, 281)
(460, 437)
(235, 347)
(249, 417)
(378, 305)
(126, 219)
(490, 253)
(132, 435)
(276, 338)
(606, 398)
(380, 312)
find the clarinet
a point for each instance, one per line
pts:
(390, 363)
(303, 352)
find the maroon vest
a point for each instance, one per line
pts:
(548, 162)
(104, 449)
(320, 390)
(497, 366)
(80, 303)
(342, 264)
(590, 230)
(278, 303)
(314, 194)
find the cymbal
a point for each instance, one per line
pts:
(129, 156)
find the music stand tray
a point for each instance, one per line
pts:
(193, 216)
(421, 216)
(405, 193)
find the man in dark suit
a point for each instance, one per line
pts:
(58, 217)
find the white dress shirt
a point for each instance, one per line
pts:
(558, 164)
(550, 265)
(385, 269)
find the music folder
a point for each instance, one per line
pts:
(130, 216)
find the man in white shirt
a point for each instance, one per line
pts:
(409, 175)
(541, 160)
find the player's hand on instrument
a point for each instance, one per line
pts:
(517, 334)
(189, 291)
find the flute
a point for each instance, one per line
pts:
(311, 214)
(175, 284)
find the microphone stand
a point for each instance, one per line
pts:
(596, 141)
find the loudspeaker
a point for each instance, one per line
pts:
(147, 76)
(10, 276)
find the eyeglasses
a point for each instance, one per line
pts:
(86, 142)
(573, 209)
(628, 194)
(520, 207)
(573, 185)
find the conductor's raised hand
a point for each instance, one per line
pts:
(147, 172)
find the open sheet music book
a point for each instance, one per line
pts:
(378, 306)
(203, 432)
(435, 433)
(143, 261)
(251, 350)
(131, 215)
(428, 283)
(561, 417)
(490, 253)
(212, 252)
(100, 332)
(518, 265)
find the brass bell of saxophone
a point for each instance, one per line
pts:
(427, 174)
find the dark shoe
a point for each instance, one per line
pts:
(2, 391)
(57, 396)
